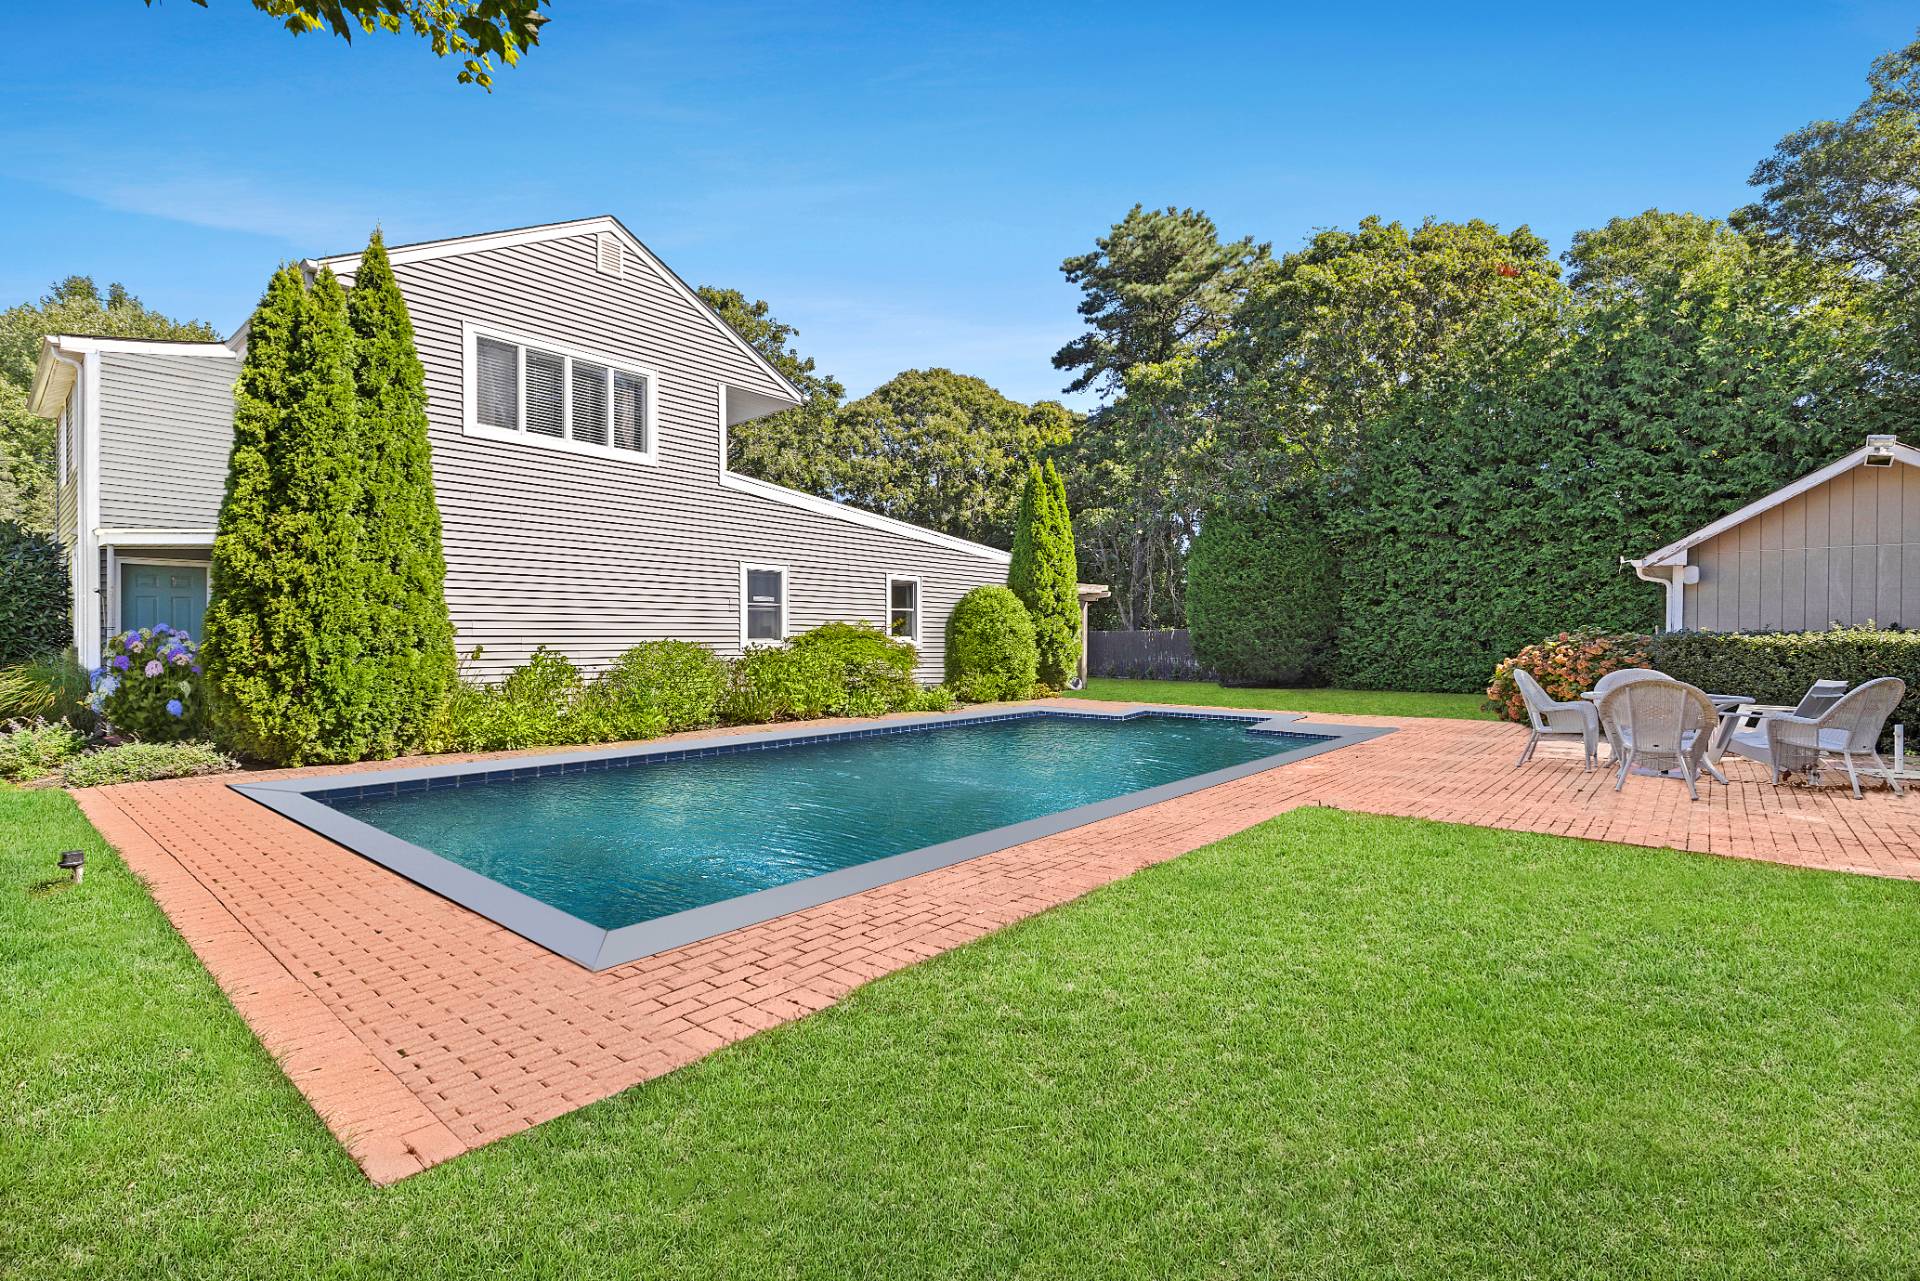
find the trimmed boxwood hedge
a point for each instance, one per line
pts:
(1777, 667)
(991, 652)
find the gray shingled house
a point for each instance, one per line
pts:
(579, 397)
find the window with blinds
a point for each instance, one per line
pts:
(554, 396)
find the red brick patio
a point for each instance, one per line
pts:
(419, 1030)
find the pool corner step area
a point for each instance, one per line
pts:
(596, 837)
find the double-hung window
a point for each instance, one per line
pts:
(903, 609)
(763, 604)
(548, 394)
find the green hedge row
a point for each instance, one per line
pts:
(1777, 667)
(1771, 667)
(665, 686)
(1263, 595)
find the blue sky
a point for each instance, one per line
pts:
(899, 181)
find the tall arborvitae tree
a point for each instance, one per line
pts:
(242, 648)
(288, 628)
(1043, 573)
(411, 641)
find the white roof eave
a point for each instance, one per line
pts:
(1675, 553)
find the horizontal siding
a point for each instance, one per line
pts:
(589, 556)
(1847, 551)
(166, 425)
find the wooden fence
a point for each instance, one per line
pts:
(1165, 655)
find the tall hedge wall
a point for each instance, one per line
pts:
(1492, 507)
(1263, 594)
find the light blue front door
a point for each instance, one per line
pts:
(172, 594)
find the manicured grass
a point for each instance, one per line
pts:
(1333, 1046)
(1342, 702)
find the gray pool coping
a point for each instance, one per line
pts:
(600, 948)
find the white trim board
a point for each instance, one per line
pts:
(1674, 553)
(840, 511)
(155, 537)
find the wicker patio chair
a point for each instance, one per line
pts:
(1551, 719)
(1848, 729)
(1612, 681)
(1661, 724)
(1819, 697)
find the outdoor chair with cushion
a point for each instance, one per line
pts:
(1849, 728)
(1552, 719)
(1660, 725)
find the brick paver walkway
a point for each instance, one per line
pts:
(419, 1030)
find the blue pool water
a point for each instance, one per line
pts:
(616, 847)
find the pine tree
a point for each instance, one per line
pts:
(411, 640)
(287, 631)
(1043, 573)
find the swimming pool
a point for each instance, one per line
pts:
(611, 855)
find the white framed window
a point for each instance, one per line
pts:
(534, 391)
(763, 604)
(903, 607)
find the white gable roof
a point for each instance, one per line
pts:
(1675, 553)
(427, 250)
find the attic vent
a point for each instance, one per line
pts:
(1880, 451)
(612, 254)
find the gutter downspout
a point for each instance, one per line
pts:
(78, 554)
(1674, 580)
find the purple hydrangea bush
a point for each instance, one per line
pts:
(149, 685)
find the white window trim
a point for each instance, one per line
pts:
(786, 593)
(470, 424)
(919, 607)
(114, 562)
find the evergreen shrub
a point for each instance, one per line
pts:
(36, 606)
(1263, 595)
(991, 653)
(1044, 574)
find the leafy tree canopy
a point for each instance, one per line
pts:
(942, 450)
(72, 306)
(1848, 190)
(1157, 283)
(1333, 333)
(475, 31)
(1618, 258)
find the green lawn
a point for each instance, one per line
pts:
(1334, 1046)
(1347, 702)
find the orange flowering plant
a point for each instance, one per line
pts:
(1567, 666)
